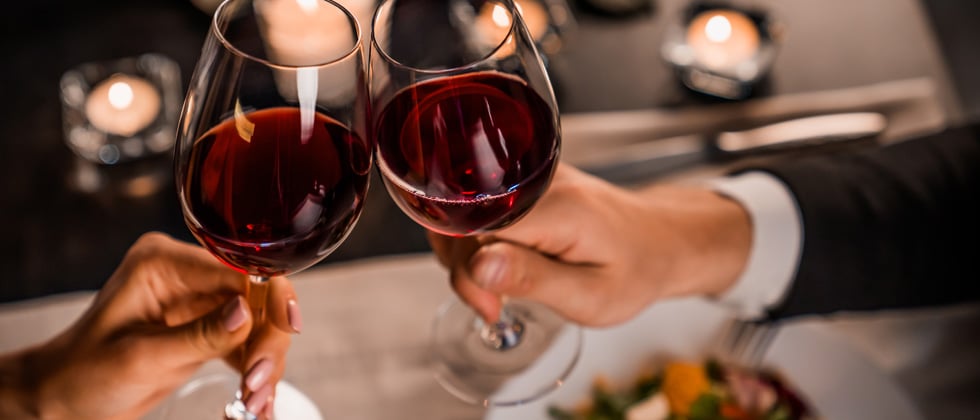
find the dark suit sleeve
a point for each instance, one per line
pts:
(896, 227)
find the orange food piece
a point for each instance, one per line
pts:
(683, 383)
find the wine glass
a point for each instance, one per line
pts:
(467, 139)
(272, 159)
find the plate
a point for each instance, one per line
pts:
(838, 382)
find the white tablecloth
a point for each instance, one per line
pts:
(363, 351)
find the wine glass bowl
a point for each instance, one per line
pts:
(275, 204)
(482, 167)
(272, 166)
(272, 157)
(474, 172)
(467, 139)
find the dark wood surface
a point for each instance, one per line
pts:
(58, 238)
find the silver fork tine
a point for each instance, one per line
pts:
(746, 342)
(762, 335)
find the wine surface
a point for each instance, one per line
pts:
(269, 196)
(467, 153)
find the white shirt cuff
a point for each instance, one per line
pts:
(777, 233)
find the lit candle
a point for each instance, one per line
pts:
(535, 17)
(309, 33)
(721, 39)
(305, 32)
(494, 20)
(122, 105)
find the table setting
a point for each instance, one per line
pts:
(365, 350)
(633, 92)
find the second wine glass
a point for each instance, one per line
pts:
(272, 159)
(468, 137)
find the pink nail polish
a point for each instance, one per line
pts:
(270, 408)
(258, 400)
(258, 375)
(234, 314)
(294, 315)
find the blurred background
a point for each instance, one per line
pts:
(637, 91)
(68, 219)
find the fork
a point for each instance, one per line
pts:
(746, 342)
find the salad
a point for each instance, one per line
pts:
(692, 391)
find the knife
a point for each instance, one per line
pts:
(641, 161)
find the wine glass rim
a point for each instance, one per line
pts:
(512, 8)
(355, 48)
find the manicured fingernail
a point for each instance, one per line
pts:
(258, 400)
(294, 315)
(488, 270)
(234, 314)
(258, 375)
(270, 407)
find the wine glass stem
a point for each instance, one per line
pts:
(257, 294)
(504, 334)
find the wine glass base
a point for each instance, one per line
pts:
(476, 372)
(204, 398)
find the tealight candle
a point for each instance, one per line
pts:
(535, 17)
(494, 20)
(304, 32)
(721, 39)
(122, 105)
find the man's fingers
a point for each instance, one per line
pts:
(455, 254)
(484, 302)
(546, 228)
(512, 270)
(442, 247)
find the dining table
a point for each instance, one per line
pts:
(364, 352)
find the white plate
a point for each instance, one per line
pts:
(839, 382)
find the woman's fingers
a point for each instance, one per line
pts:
(216, 334)
(264, 357)
(164, 279)
(262, 364)
(190, 267)
(283, 306)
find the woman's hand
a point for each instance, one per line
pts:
(167, 309)
(598, 254)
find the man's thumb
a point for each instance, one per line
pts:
(517, 271)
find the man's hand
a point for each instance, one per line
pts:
(598, 254)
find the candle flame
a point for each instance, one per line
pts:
(718, 29)
(120, 95)
(309, 6)
(500, 16)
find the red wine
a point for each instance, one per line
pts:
(268, 200)
(467, 153)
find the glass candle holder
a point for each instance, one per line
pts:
(121, 110)
(722, 50)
